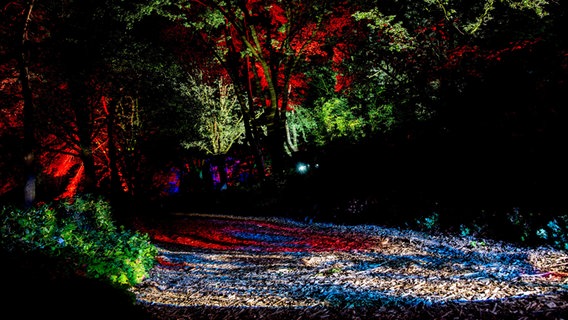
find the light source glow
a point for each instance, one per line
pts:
(302, 168)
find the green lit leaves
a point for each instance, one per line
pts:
(471, 19)
(397, 36)
(220, 124)
(133, 12)
(340, 121)
(381, 118)
(210, 19)
(302, 127)
(82, 233)
(536, 6)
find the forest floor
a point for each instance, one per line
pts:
(235, 267)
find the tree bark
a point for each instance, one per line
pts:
(29, 139)
(112, 150)
(82, 109)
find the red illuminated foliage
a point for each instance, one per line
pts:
(266, 46)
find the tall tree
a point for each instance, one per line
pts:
(29, 139)
(263, 45)
(87, 83)
(22, 29)
(435, 63)
(219, 125)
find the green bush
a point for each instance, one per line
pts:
(82, 232)
(520, 226)
(556, 232)
(428, 223)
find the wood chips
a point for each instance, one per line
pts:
(391, 274)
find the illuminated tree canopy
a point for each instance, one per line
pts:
(277, 78)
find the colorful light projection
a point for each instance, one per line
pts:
(223, 233)
(221, 261)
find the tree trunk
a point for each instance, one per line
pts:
(252, 134)
(219, 162)
(112, 151)
(82, 109)
(29, 139)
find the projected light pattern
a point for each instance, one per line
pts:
(226, 261)
(251, 235)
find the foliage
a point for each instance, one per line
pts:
(264, 47)
(420, 54)
(81, 231)
(484, 11)
(302, 128)
(220, 124)
(429, 223)
(556, 232)
(527, 226)
(88, 212)
(340, 121)
(532, 228)
(516, 225)
(460, 70)
(388, 68)
(338, 118)
(397, 36)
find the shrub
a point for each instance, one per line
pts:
(429, 223)
(80, 231)
(556, 232)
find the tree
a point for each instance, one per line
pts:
(461, 79)
(264, 47)
(296, 73)
(24, 30)
(29, 139)
(91, 117)
(219, 124)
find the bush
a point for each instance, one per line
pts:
(556, 232)
(526, 227)
(80, 231)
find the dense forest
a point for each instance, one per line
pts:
(347, 111)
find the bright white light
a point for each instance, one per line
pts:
(302, 168)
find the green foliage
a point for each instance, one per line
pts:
(132, 12)
(88, 212)
(470, 230)
(82, 232)
(475, 244)
(522, 223)
(399, 38)
(29, 228)
(382, 118)
(516, 225)
(336, 118)
(331, 271)
(429, 223)
(220, 124)
(556, 232)
(530, 227)
(340, 120)
(472, 18)
(302, 127)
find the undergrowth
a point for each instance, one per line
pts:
(81, 232)
(516, 225)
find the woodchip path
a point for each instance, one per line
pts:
(240, 265)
